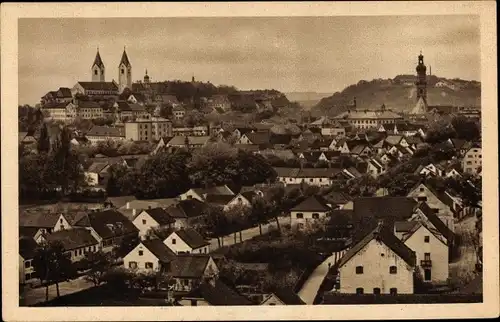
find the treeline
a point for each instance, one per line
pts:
(166, 175)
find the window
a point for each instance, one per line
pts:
(422, 198)
(359, 269)
(27, 264)
(144, 221)
(27, 276)
(359, 290)
(315, 216)
(311, 180)
(394, 291)
(194, 303)
(61, 221)
(426, 239)
(376, 291)
(422, 189)
(427, 274)
(393, 270)
(132, 265)
(149, 265)
(95, 72)
(185, 282)
(174, 241)
(141, 253)
(427, 256)
(123, 71)
(300, 215)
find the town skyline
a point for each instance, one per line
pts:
(290, 54)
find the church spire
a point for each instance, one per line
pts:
(98, 68)
(124, 59)
(98, 60)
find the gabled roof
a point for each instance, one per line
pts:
(192, 238)
(120, 201)
(160, 216)
(108, 223)
(189, 265)
(29, 232)
(218, 294)
(311, 156)
(190, 208)
(287, 172)
(249, 195)
(219, 199)
(159, 249)
(287, 296)
(73, 238)
(393, 139)
(38, 219)
(258, 137)
(64, 92)
(27, 247)
(404, 226)
(97, 167)
(99, 86)
(97, 130)
(193, 140)
(217, 190)
(313, 203)
(386, 238)
(398, 208)
(435, 221)
(338, 197)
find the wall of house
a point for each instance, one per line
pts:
(79, 253)
(92, 178)
(189, 302)
(176, 244)
(307, 217)
(181, 223)
(144, 222)
(190, 194)
(272, 300)
(184, 284)
(331, 131)
(62, 224)
(25, 273)
(141, 260)
(437, 249)
(241, 202)
(445, 213)
(376, 259)
(472, 160)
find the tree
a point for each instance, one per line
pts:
(99, 263)
(52, 265)
(193, 118)
(217, 223)
(260, 212)
(466, 129)
(214, 164)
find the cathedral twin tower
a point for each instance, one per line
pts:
(124, 71)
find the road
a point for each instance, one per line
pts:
(310, 289)
(37, 295)
(248, 233)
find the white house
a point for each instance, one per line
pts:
(243, 199)
(201, 193)
(149, 255)
(282, 296)
(46, 222)
(436, 201)
(213, 292)
(375, 168)
(308, 211)
(187, 241)
(27, 248)
(378, 264)
(152, 218)
(430, 247)
(188, 270)
(76, 242)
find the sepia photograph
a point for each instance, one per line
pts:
(239, 160)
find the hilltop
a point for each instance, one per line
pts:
(306, 99)
(399, 94)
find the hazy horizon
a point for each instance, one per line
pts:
(290, 54)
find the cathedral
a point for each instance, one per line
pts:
(124, 71)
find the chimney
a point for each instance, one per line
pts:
(128, 205)
(149, 206)
(133, 212)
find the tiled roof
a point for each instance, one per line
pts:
(189, 265)
(28, 231)
(288, 296)
(311, 156)
(27, 247)
(404, 226)
(258, 137)
(318, 172)
(38, 219)
(160, 216)
(88, 104)
(338, 197)
(99, 86)
(219, 199)
(190, 208)
(119, 201)
(97, 167)
(218, 294)
(97, 130)
(192, 238)
(287, 172)
(193, 140)
(393, 139)
(249, 195)
(217, 190)
(313, 203)
(340, 217)
(435, 221)
(64, 92)
(388, 239)
(282, 154)
(280, 138)
(108, 223)
(159, 249)
(55, 105)
(368, 114)
(73, 238)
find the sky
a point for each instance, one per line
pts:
(290, 54)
